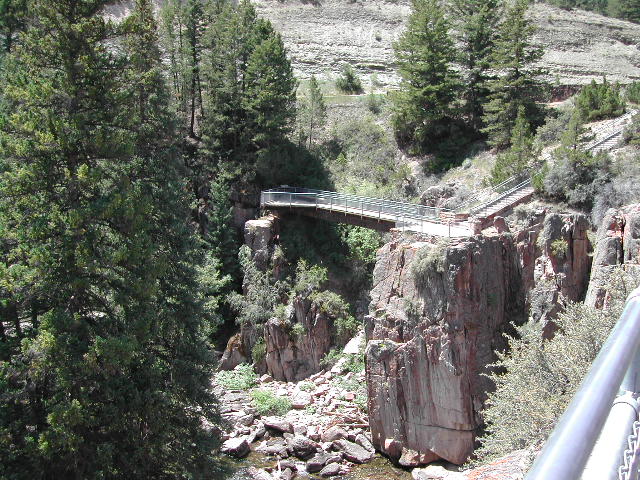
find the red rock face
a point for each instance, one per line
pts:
(429, 341)
(617, 243)
(292, 358)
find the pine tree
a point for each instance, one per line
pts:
(183, 25)
(312, 112)
(423, 106)
(476, 28)
(517, 83)
(12, 20)
(110, 379)
(270, 96)
(520, 156)
(627, 10)
(250, 90)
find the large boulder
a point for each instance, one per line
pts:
(353, 452)
(433, 331)
(236, 447)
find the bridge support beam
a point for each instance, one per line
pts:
(380, 225)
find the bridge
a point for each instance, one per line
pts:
(383, 215)
(467, 219)
(375, 213)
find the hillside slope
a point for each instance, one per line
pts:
(322, 36)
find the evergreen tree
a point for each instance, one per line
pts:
(270, 92)
(183, 25)
(626, 9)
(517, 83)
(312, 112)
(221, 238)
(600, 100)
(111, 377)
(13, 14)
(520, 156)
(423, 106)
(476, 28)
(250, 90)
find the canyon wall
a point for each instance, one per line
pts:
(617, 244)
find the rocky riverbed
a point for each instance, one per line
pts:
(325, 433)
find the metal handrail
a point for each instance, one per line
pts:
(309, 197)
(568, 448)
(499, 198)
(407, 216)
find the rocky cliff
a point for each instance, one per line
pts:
(438, 314)
(321, 36)
(292, 357)
(617, 243)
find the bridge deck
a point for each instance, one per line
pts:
(348, 208)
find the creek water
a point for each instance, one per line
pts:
(379, 468)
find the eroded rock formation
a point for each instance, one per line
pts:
(617, 243)
(437, 317)
(294, 356)
(561, 270)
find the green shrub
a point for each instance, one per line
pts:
(297, 330)
(577, 176)
(268, 403)
(306, 386)
(348, 81)
(346, 326)
(308, 278)
(374, 103)
(331, 358)
(240, 378)
(363, 243)
(632, 92)
(555, 125)
(259, 350)
(262, 292)
(600, 100)
(429, 259)
(537, 378)
(559, 247)
(354, 363)
(631, 133)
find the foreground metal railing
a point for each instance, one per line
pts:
(597, 436)
(407, 216)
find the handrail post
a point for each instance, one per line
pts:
(290, 199)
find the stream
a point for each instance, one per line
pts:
(380, 468)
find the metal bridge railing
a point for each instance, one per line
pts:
(407, 216)
(597, 436)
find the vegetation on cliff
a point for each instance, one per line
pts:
(536, 379)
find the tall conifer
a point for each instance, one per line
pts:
(517, 83)
(110, 379)
(423, 105)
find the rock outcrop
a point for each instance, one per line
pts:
(261, 236)
(561, 271)
(617, 243)
(292, 356)
(438, 314)
(322, 36)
